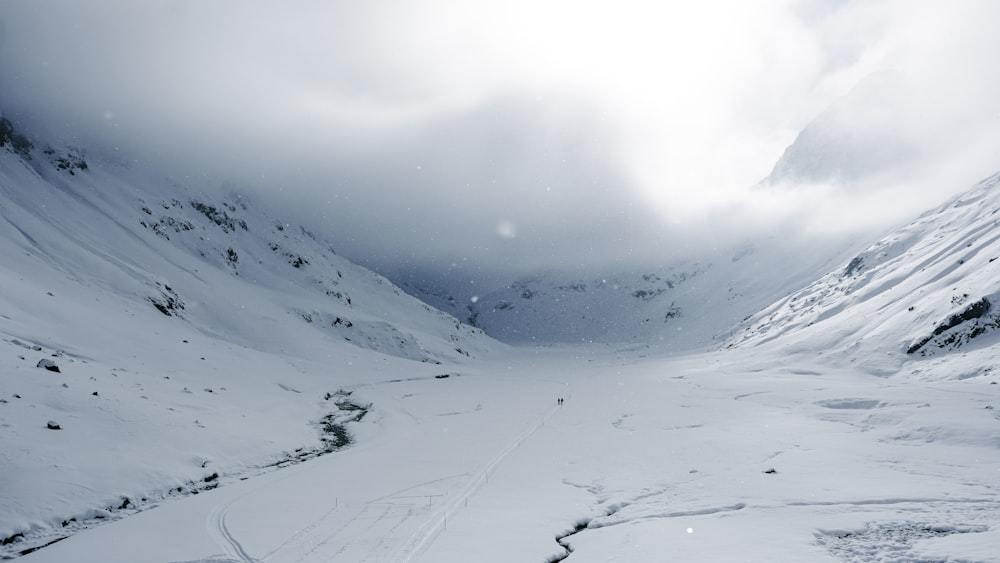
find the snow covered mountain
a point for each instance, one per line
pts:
(168, 343)
(928, 290)
(160, 334)
(858, 136)
(680, 305)
(169, 247)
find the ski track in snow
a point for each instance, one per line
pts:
(422, 539)
(369, 534)
(302, 543)
(225, 537)
(364, 535)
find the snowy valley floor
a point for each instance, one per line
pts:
(737, 456)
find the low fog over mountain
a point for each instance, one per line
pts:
(435, 281)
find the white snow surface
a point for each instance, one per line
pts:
(929, 289)
(714, 457)
(183, 437)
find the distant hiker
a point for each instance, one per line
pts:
(559, 401)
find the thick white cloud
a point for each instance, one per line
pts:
(519, 134)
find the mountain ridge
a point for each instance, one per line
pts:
(223, 231)
(924, 290)
(159, 336)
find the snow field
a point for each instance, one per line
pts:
(733, 456)
(201, 343)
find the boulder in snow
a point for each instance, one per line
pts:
(48, 364)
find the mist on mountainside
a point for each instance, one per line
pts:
(535, 281)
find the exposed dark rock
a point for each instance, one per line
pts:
(48, 364)
(647, 294)
(11, 539)
(673, 312)
(219, 217)
(70, 162)
(854, 266)
(169, 303)
(977, 310)
(8, 136)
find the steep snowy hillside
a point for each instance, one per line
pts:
(681, 305)
(167, 245)
(930, 289)
(857, 136)
(158, 336)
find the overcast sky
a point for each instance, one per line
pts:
(526, 133)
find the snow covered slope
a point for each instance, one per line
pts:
(681, 305)
(855, 137)
(927, 290)
(206, 256)
(157, 335)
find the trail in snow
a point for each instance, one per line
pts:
(299, 545)
(225, 537)
(394, 526)
(367, 533)
(438, 521)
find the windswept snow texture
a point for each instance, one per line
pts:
(927, 290)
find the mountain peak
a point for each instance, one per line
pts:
(856, 137)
